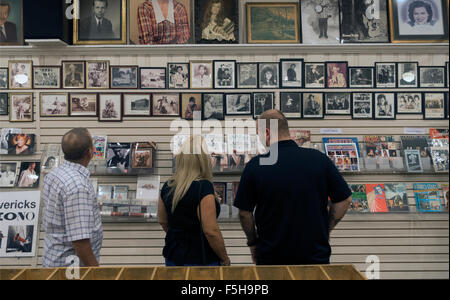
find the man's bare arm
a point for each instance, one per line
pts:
(248, 225)
(83, 250)
(337, 212)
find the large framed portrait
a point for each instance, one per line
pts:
(314, 75)
(20, 74)
(338, 103)
(238, 104)
(178, 75)
(408, 74)
(166, 105)
(136, 105)
(149, 26)
(11, 22)
(313, 106)
(152, 78)
(409, 103)
(364, 21)
(262, 102)
(83, 105)
(213, 106)
(4, 105)
(217, 21)
(74, 74)
(100, 22)
(273, 23)
(54, 104)
(291, 73)
(191, 105)
(224, 74)
(247, 75)
(361, 77)
(21, 107)
(97, 74)
(124, 77)
(268, 75)
(385, 75)
(362, 105)
(291, 105)
(3, 78)
(320, 21)
(418, 21)
(46, 77)
(110, 107)
(8, 171)
(432, 77)
(201, 74)
(337, 74)
(434, 106)
(384, 104)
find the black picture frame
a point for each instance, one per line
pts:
(432, 86)
(238, 76)
(447, 73)
(288, 114)
(313, 30)
(305, 97)
(307, 78)
(100, 112)
(360, 116)
(379, 81)
(4, 104)
(255, 98)
(343, 64)
(343, 113)
(394, 106)
(4, 78)
(227, 113)
(222, 117)
(170, 72)
(401, 94)
(112, 77)
(175, 95)
(263, 68)
(35, 68)
(300, 72)
(124, 102)
(424, 98)
(361, 86)
(143, 82)
(216, 63)
(401, 80)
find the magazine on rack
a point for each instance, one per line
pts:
(417, 142)
(118, 157)
(445, 191)
(344, 152)
(378, 146)
(396, 197)
(427, 197)
(148, 189)
(99, 147)
(359, 198)
(376, 197)
(4, 142)
(440, 158)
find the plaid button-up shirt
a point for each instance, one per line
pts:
(71, 213)
(151, 32)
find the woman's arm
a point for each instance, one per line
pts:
(211, 228)
(162, 216)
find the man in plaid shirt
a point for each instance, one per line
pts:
(163, 22)
(72, 220)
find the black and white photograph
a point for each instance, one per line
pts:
(361, 77)
(83, 105)
(291, 73)
(152, 78)
(364, 21)
(54, 104)
(201, 74)
(408, 74)
(247, 75)
(262, 102)
(110, 107)
(73, 74)
(118, 157)
(440, 157)
(4, 107)
(338, 103)
(46, 77)
(413, 161)
(124, 77)
(268, 75)
(20, 74)
(21, 107)
(191, 106)
(178, 75)
(291, 105)
(386, 75)
(135, 105)
(50, 162)
(8, 174)
(3, 78)
(29, 175)
(225, 74)
(384, 106)
(314, 75)
(362, 105)
(432, 77)
(320, 21)
(97, 74)
(434, 106)
(409, 103)
(313, 106)
(166, 105)
(238, 104)
(213, 106)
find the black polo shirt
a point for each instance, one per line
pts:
(291, 199)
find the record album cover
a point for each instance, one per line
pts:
(427, 197)
(359, 198)
(376, 198)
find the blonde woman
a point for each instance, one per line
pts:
(188, 211)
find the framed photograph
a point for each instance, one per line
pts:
(273, 23)
(291, 105)
(268, 75)
(338, 103)
(152, 78)
(20, 74)
(362, 77)
(224, 74)
(29, 174)
(364, 21)
(408, 74)
(11, 12)
(83, 105)
(217, 21)
(21, 144)
(418, 21)
(213, 106)
(409, 103)
(46, 77)
(136, 105)
(314, 75)
(178, 29)
(124, 77)
(291, 73)
(21, 107)
(4, 107)
(337, 74)
(362, 105)
(191, 104)
(97, 74)
(413, 161)
(166, 105)
(320, 21)
(247, 75)
(74, 74)
(201, 74)
(262, 102)
(142, 155)
(238, 104)
(434, 106)
(54, 104)
(110, 107)
(386, 75)
(432, 77)
(178, 75)
(313, 107)
(3, 78)
(8, 173)
(440, 157)
(100, 22)
(384, 104)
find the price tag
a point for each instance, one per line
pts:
(421, 131)
(331, 131)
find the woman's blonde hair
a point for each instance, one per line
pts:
(191, 164)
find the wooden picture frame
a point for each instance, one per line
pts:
(139, 104)
(85, 104)
(56, 108)
(49, 82)
(118, 77)
(153, 79)
(155, 109)
(97, 74)
(21, 107)
(201, 74)
(108, 113)
(20, 74)
(73, 74)
(14, 24)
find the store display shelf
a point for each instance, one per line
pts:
(374, 172)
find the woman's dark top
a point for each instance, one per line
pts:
(183, 240)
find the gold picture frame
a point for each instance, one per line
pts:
(19, 109)
(17, 74)
(43, 113)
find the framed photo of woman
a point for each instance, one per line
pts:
(268, 75)
(384, 104)
(418, 21)
(337, 74)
